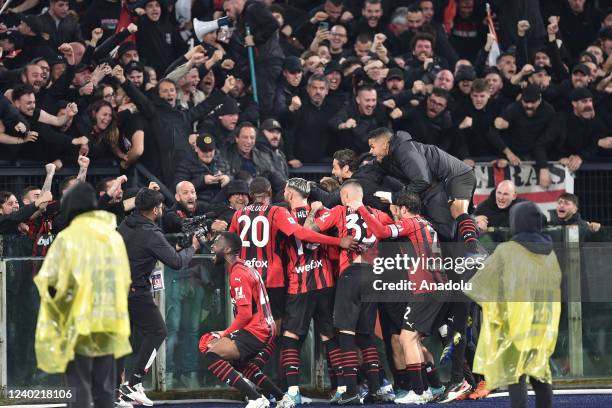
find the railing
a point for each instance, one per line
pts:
(195, 301)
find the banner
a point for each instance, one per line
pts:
(525, 177)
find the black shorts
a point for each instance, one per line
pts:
(461, 187)
(316, 305)
(277, 297)
(422, 315)
(248, 345)
(350, 312)
(393, 314)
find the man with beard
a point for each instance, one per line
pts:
(146, 245)
(308, 137)
(519, 132)
(371, 21)
(204, 168)
(329, 12)
(249, 110)
(185, 291)
(358, 118)
(430, 122)
(495, 210)
(574, 135)
(560, 95)
(287, 97)
(249, 333)
(270, 138)
(423, 64)
(51, 144)
(567, 213)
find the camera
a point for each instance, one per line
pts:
(198, 226)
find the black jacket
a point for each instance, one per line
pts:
(159, 43)
(357, 137)
(172, 220)
(67, 31)
(193, 169)
(498, 217)
(168, 130)
(146, 244)
(9, 222)
(570, 134)
(420, 166)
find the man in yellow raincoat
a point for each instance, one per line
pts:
(519, 290)
(83, 323)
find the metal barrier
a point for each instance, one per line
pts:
(584, 348)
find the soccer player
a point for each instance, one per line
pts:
(353, 318)
(253, 327)
(310, 293)
(423, 309)
(262, 227)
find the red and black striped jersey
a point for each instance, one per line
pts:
(308, 265)
(350, 223)
(427, 265)
(250, 302)
(262, 229)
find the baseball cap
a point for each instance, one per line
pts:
(32, 22)
(292, 64)
(205, 142)
(582, 68)
(271, 124)
(531, 93)
(133, 66)
(395, 73)
(579, 94)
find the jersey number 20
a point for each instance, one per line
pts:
(254, 226)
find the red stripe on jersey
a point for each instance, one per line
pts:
(247, 288)
(350, 223)
(424, 240)
(262, 228)
(308, 267)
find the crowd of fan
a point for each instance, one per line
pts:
(118, 81)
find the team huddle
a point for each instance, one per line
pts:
(290, 266)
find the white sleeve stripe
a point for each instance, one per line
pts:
(394, 231)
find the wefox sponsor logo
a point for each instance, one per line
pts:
(307, 268)
(256, 263)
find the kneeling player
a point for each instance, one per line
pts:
(252, 328)
(423, 309)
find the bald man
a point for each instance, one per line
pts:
(495, 210)
(186, 206)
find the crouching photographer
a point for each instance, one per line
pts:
(146, 245)
(185, 287)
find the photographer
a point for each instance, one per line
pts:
(146, 245)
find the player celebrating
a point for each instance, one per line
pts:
(252, 328)
(262, 228)
(354, 318)
(423, 308)
(310, 293)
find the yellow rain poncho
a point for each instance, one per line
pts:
(88, 267)
(519, 292)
